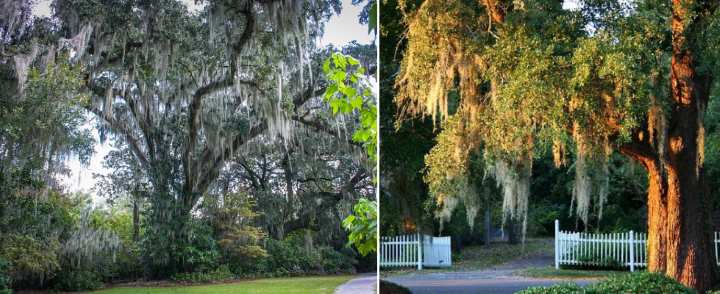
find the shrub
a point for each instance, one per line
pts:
(222, 273)
(4, 277)
(640, 283)
(291, 257)
(392, 288)
(33, 261)
(337, 262)
(77, 281)
(556, 289)
(637, 283)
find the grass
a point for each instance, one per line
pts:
(320, 285)
(552, 273)
(482, 257)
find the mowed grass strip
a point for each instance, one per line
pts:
(320, 285)
(552, 273)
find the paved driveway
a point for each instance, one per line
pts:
(364, 284)
(500, 279)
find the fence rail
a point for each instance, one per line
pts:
(415, 251)
(627, 249)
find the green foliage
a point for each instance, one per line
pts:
(77, 280)
(387, 287)
(403, 148)
(33, 261)
(315, 285)
(5, 280)
(372, 21)
(347, 93)
(222, 273)
(51, 110)
(231, 217)
(362, 225)
(641, 283)
(201, 254)
(557, 289)
(292, 257)
(28, 243)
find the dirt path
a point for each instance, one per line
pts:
(497, 279)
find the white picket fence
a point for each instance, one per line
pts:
(415, 251)
(627, 249)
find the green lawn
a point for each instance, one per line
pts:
(303, 285)
(481, 257)
(552, 273)
(474, 258)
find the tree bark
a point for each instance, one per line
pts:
(689, 236)
(136, 217)
(657, 217)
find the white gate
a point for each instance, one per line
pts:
(437, 251)
(627, 249)
(415, 251)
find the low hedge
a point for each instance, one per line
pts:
(638, 283)
(387, 287)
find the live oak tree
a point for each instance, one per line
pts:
(186, 92)
(516, 78)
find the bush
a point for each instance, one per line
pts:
(337, 262)
(291, 257)
(77, 281)
(641, 283)
(33, 261)
(392, 288)
(557, 289)
(4, 277)
(637, 283)
(222, 273)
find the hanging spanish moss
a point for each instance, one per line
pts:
(22, 65)
(88, 245)
(592, 181)
(514, 177)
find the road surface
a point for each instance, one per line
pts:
(497, 280)
(363, 284)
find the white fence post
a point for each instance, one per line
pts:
(632, 251)
(419, 252)
(557, 254)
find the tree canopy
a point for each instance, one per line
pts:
(216, 111)
(514, 80)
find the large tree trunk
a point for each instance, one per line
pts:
(689, 252)
(679, 229)
(644, 153)
(657, 217)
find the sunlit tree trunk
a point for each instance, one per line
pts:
(689, 236)
(657, 217)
